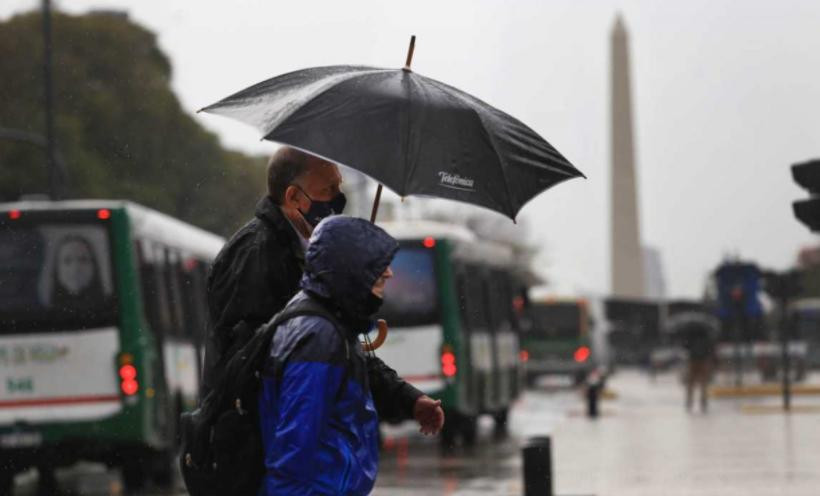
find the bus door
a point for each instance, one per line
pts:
(193, 280)
(164, 303)
(474, 308)
(58, 319)
(489, 287)
(505, 338)
(470, 388)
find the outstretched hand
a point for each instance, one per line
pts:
(429, 415)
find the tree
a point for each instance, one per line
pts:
(120, 128)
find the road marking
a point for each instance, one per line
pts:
(761, 390)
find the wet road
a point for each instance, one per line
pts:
(644, 443)
(413, 464)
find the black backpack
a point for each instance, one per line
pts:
(221, 443)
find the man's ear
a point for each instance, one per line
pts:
(291, 197)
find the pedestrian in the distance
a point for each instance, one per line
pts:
(319, 422)
(700, 350)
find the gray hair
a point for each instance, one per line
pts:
(285, 166)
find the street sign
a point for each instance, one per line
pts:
(738, 291)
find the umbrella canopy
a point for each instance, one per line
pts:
(687, 326)
(415, 135)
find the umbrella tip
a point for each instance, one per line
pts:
(410, 53)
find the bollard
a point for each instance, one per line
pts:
(592, 400)
(537, 455)
(595, 383)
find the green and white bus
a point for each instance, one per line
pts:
(102, 309)
(453, 329)
(556, 339)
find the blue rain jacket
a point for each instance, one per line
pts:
(318, 419)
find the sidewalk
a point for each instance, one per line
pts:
(646, 444)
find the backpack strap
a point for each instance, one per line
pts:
(309, 306)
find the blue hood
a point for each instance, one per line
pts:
(344, 258)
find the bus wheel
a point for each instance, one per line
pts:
(500, 419)
(579, 378)
(469, 430)
(134, 474)
(7, 482)
(530, 379)
(450, 430)
(163, 469)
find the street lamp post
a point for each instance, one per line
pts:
(54, 186)
(35, 140)
(784, 287)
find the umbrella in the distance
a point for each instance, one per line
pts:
(415, 135)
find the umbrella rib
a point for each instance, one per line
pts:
(288, 113)
(406, 145)
(314, 96)
(511, 210)
(503, 163)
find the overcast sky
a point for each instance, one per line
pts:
(726, 96)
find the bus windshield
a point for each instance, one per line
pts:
(806, 318)
(55, 277)
(555, 320)
(410, 297)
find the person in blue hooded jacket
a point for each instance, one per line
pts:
(318, 419)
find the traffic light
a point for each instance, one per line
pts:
(782, 285)
(807, 175)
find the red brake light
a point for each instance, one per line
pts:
(103, 214)
(581, 354)
(128, 372)
(429, 242)
(14, 214)
(130, 388)
(524, 355)
(129, 384)
(448, 364)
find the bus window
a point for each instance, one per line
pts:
(154, 291)
(55, 276)
(193, 297)
(461, 293)
(559, 320)
(500, 303)
(474, 304)
(411, 295)
(175, 303)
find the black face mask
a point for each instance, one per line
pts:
(372, 304)
(320, 209)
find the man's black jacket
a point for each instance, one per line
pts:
(255, 274)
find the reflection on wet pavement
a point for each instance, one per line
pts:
(412, 464)
(644, 444)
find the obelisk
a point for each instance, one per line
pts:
(627, 254)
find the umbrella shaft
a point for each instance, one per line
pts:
(376, 201)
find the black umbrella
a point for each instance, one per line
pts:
(415, 135)
(687, 327)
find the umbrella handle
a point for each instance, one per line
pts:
(380, 339)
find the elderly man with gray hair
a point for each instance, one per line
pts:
(258, 271)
